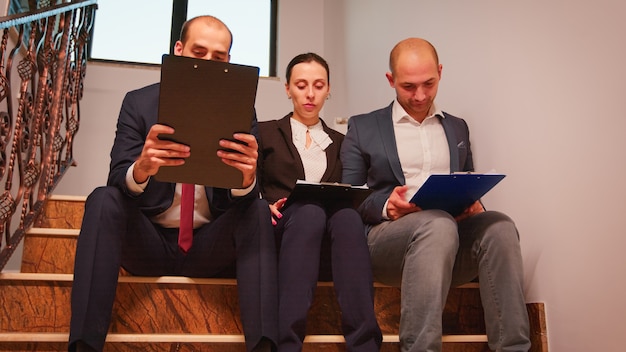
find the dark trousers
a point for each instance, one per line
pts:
(301, 232)
(115, 233)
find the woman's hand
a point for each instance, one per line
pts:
(275, 210)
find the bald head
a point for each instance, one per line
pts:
(207, 20)
(205, 37)
(415, 74)
(415, 46)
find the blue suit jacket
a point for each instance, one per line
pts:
(138, 113)
(369, 155)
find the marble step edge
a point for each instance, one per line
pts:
(67, 198)
(12, 276)
(208, 338)
(52, 232)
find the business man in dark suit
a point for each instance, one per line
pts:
(394, 150)
(300, 146)
(133, 222)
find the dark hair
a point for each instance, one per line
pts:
(307, 57)
(208, 20)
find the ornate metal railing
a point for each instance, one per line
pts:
(42, 67)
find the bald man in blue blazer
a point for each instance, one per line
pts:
(393, 150)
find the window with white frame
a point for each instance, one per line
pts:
(141, 31)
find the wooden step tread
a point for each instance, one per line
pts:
(122, 278)
(67, 198)
(47, 231)
(39, 297)
(40, 303)
(209, 338)
(155, 279)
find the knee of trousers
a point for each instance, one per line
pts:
(345, 215)
(258, 206)
(110, 200)
(502, 236)
(312, 210)
(439, 233)
(105, 221)
(310, 215)
(346, 224)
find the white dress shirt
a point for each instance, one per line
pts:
(170, 218)
(422, 147)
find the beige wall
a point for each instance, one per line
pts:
(541, 85)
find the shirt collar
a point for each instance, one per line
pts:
(398, 113)
(317, 133)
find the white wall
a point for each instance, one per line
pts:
(541, 85)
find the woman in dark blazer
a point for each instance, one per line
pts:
(317, 241)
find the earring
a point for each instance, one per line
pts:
(328, 96)
(289, 97)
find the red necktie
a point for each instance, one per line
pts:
(185, 232)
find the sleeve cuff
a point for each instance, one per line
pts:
(243, 191)
(134, 187)
(384, 214)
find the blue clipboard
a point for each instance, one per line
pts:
(454, 192)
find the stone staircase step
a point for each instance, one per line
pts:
(41, 304)
(149, 305)
(190, 314)
(172, 304)
(208, 338)
(210, 342)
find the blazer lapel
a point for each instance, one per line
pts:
(388, 138)
(332, 155)
(209, 192)
(284, 125)
(452, 143)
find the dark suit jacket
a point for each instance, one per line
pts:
(138, 113)
(369, 155)
(280, 165)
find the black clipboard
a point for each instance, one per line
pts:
(454, 192)
(329, 194)
(205, 101)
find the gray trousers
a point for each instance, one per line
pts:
(427, 252)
